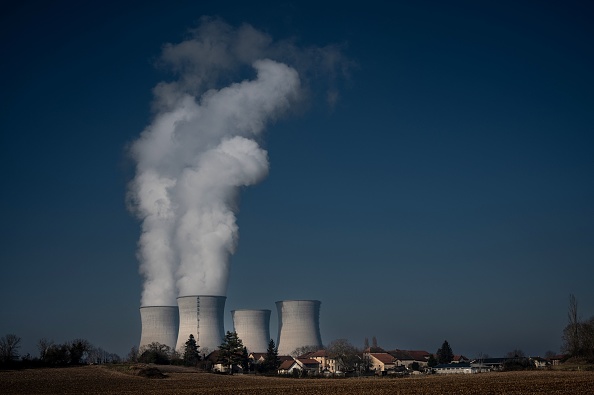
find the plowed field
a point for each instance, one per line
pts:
(104, 380)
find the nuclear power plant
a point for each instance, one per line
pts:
(186, 189)
(253, 328)
(159, 325)
(298, 325)
(203, 317)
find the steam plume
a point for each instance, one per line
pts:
(201, 148)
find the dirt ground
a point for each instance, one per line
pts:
(126, 380)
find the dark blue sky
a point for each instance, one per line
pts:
(449, 194)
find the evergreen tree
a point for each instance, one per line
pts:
(445, 353)
(271, 361)
(231, 351)
(191, 354)
(245, 360)
(431, 362)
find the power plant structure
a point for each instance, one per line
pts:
(159, 325)
(253, 328)
(203, 317)
(298, 325)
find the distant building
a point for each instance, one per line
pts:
(327, 364)
(309, 365)
(381, 361)
(539, 362)
(455, 368)
(460, 359)
(557, 359)
(287, 367)
(488, 364)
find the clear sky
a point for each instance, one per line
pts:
(447, 194)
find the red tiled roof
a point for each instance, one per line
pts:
(285, 358)
(383, 357)
(370, 350)
(213, 356)
(285, 365)
(401, 355)
(319, 353)
(308, 361)
(419, 355)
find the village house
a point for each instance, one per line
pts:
(256, 357)
(212, 360)
(460, 359)
(402, 358)
(557, 359)
(488, 364)
(408, 358)
(309, 365)
(539, 362)
(327, 363)
(455, 368)
(381, 361)
(287, 367)
(420, 356)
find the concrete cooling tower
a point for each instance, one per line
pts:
(203, 317)
(298, 325)
(159, 324)
(253, 328)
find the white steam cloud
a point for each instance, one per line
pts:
(202, 147)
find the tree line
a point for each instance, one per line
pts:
(70, 353)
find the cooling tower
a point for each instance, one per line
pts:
(253, 328)
(298, 325)
(159, 324)
(201, 316)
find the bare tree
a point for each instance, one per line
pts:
(571, 333)
(588, 339)
(9, 345)
(299, 351)
(133, 354)
(345, 354)
(482, 356)
(79, 350)
(43, 345)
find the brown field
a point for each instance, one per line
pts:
(123, 380)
